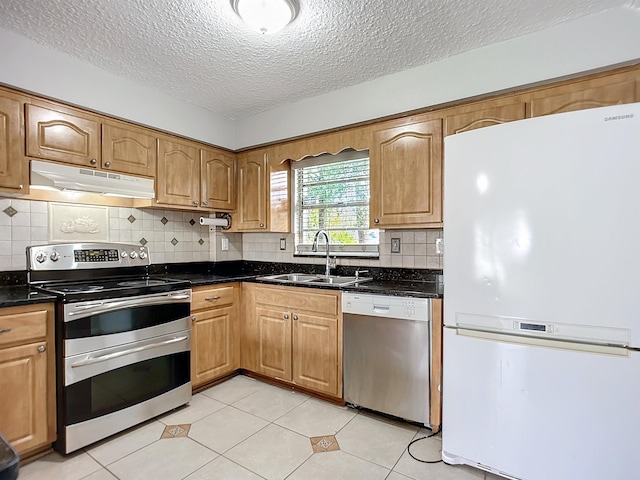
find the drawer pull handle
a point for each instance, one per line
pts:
(5, 330)
(213, 299)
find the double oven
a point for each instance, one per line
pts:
(122, 338)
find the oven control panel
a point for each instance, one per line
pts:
(71, 256)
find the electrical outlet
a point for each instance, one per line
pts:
(283, 244)
(395, 245)
(224, 244)
(439, 246)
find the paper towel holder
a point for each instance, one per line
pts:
(222, 220)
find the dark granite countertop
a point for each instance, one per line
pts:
(386, 281)
(398, 282)
(375, 287)
(200, 279)
(14, 295)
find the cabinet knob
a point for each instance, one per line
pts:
(262, 225)
(205, 203)
(93, 161)
(107, 164)
(295, 317)
(195, 202)
(42, 348)
(376, 220)
(193, 319)
(286, 316)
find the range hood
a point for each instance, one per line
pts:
(64, 177)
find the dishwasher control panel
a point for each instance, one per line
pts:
(409, 308)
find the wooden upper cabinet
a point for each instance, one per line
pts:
(128, 149)
(217, 180)
(585, 95)
(406, 174)
(62, 134)
(177, 181)
(485, 117)
(14, 174)
(252, 198)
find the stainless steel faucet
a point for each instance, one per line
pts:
(314, 248)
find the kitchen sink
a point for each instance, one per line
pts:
(290, 277)
(338, 280)
(311, 279)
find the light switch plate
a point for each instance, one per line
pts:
(283, 244)
(395, 245)
(439, 246)
(224, 244)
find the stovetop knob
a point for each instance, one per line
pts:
(55, 256)
(41, 257)
(124, 254)
(143, 255)
(133, 254)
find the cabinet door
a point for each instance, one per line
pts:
(128, 149)
(580, 97)
(274, 343)
(62, 134)
(177, 182)
(23, 396)
(406, 175)
(252, 209)
(485, 117)
(14, 176)
(218, 178)
(215, 347)
(315, 353)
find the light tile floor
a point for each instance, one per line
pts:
(244, 429)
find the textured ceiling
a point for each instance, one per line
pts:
(200, 52)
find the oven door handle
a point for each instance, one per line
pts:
(111, 356)
(107, 305)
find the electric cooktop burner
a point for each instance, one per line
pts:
(80, 288)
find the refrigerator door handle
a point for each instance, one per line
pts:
(618, 350)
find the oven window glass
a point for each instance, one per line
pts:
(125, 320)
(126, 386)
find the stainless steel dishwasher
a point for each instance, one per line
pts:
(387, 354)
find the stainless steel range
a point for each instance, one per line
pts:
(122, 338)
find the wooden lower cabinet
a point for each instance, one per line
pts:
(294, 335)
(27, 377)
(215, 340)
(315, 352)
(274, 354)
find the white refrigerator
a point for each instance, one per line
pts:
(541, 347)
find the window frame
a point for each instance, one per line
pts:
(336, 250)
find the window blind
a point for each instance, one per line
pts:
(332, 194)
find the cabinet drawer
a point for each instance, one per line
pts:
(20, 327)
(295, 298)
(213, 297)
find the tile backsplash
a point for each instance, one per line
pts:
(417, 250)
(173, 237)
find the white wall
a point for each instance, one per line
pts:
(595, 41)
(27, 65)
(600, 40)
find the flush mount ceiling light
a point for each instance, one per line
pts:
(266, 16)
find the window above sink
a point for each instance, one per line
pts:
(331, 193)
